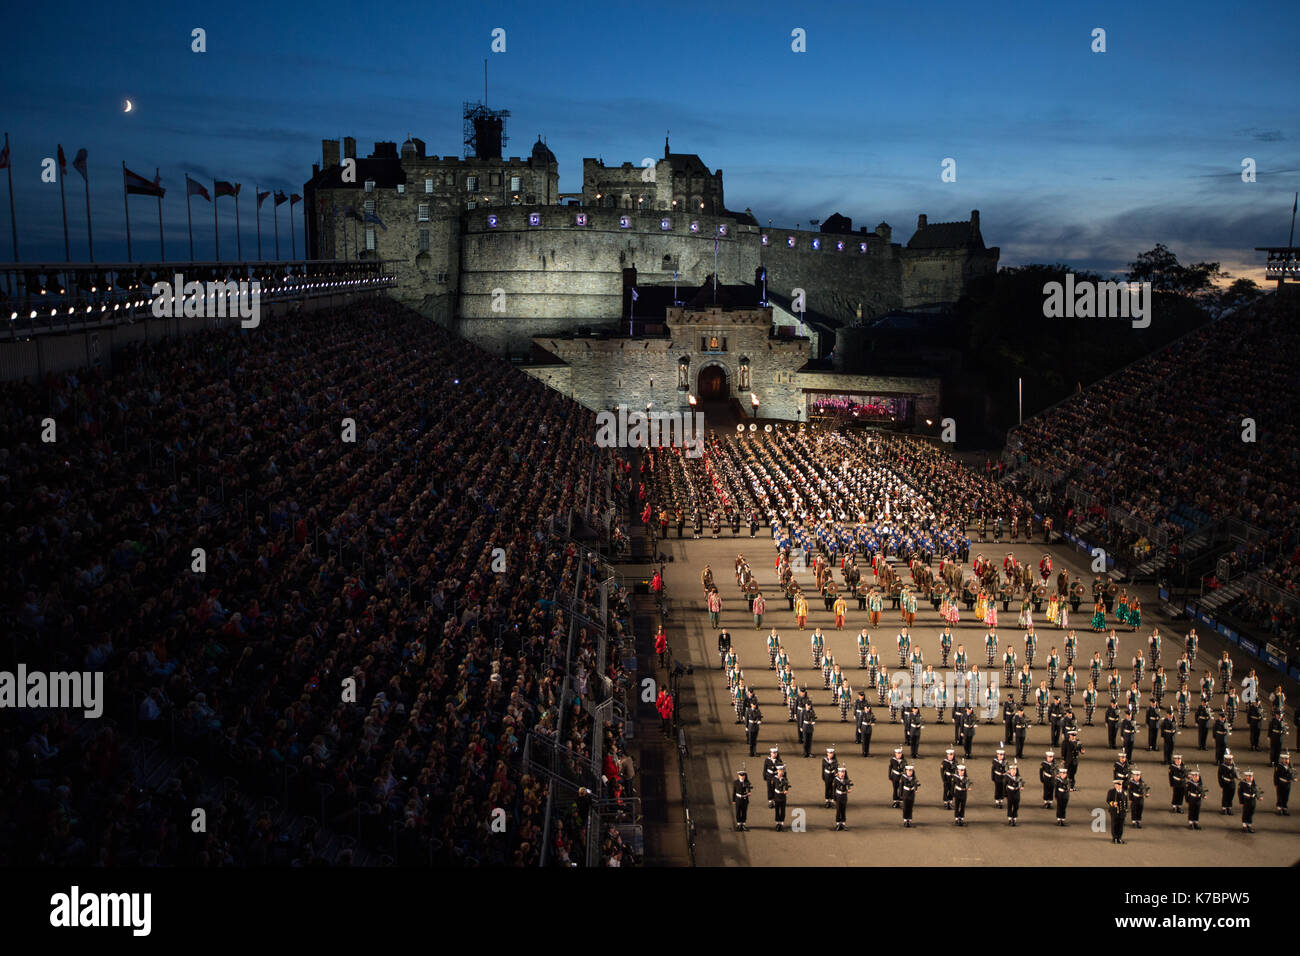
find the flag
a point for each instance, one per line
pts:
(63, 161)
(294, 198)
(79, 164)
(195, 188)
(634, 295)
(4, 156)
(226, 189)
(280, 198)
(137, 185)
(261, 197)
(371, 217)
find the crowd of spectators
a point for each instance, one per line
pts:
(369, 632)
(1202, 430)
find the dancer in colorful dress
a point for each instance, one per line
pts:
(1099, 616)
(1135, 614)
(1121, 611)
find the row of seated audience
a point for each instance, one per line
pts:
(1204, 429)
(366, 562)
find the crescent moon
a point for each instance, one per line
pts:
(128, 107)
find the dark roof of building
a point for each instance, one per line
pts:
(386, 173)
(947, 235)
(837, 224)
(743, 296)
(542, 153)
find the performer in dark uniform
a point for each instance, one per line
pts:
(780, 791)
(1276, 733)
(1227, 782)
(770, 763)
(1283, 775)
(829, 765)
(1112, 724)
(1061, 787)
(1013, 787)
(740, 790)
(1178, 782)
(809, 724)
(1221, 731)
(865, 720)
(1195, 794)
(753, 720)
(840, 787)
(896, 764)
(1137, 796)
(998, 774)
(907, 787)
(1073, 750)
(961, 785)
(1202, 724)
(1168, 731)
(968, 724)
(915, 729)
(1153, 724)
(1127, 731)
(1248, 793)
(947, 770)
(1047, 777)
(1255, 720)
(1117, 804)
(1021, 728)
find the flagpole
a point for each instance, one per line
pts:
(67, 254)
(127, 206)
(9, 168)
(293, 238)
(216, 230)
(90, 235)
(162, 249)
(189, 216)
(238, 248)
(275, 217)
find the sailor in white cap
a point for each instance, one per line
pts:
(780, 788)
(841, 785)
(829, 765)
(961, 785)
(999, 777)
(1283, 774)
(1047, 777)
(770, 763)
(740, 790)
(1137, 796)
(907, 788)
(896, 763)
(947, 771)
(1014, 784)
(1195, 794)
(1248, 793)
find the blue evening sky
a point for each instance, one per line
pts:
(1072, 156)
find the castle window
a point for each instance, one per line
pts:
(369, 205)
(471, 184)
(442, 277)
(401, 188)
(424, 212)
(423, 243)
(370, 238)
(531, 200)
(494, 179)
(428, 185)
(516, 184)
(370, 185)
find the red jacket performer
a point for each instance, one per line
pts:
(665, 707)
(661, 646)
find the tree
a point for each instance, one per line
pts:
(1161, 268)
